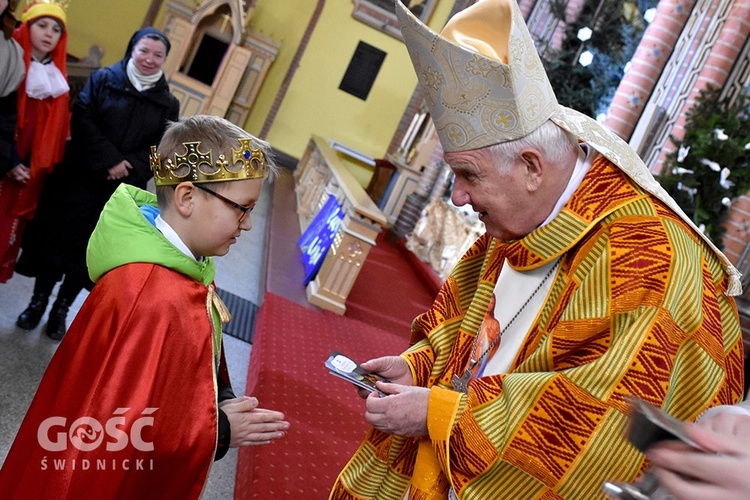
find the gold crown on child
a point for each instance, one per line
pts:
(35, 9)
(63, 4)
(195, 165)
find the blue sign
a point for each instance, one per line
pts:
(318, 237)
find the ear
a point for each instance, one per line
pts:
(534, 168)
(184, 198)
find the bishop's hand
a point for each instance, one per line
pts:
(393, 368)
(402, 412)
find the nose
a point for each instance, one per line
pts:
(246, 224)
(459, 196)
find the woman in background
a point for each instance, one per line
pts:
(121, 112)
(42, 125)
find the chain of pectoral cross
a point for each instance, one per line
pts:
(462, 383)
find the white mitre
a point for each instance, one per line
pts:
(485, 84)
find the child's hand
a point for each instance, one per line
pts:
(20, 173)
(251, 425)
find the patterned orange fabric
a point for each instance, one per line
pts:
(638, 307)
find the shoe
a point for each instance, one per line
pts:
(32, 315)
(56, 323)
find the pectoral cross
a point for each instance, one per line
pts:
(461, 384)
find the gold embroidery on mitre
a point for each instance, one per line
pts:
(471, 110)
(484, 79)
(196, 165)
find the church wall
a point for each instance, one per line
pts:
(285, 23)
(313, 102)
(107, 24)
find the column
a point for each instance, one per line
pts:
(721, 59)
(649, 60)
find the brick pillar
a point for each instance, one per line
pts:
(415, 103)
(545, 29)
(721, 59)
(649, 60)
(525, 6)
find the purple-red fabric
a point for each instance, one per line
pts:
(11, 227)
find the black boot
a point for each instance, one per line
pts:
(30, 317)
(56, 323)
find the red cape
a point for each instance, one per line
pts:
(142, 341)
(52, 125)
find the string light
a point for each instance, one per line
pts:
(586, 58)
(682, 171)
(584, 34)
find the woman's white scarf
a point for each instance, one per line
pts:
(11, 65)
(45, 80)
(140, 81)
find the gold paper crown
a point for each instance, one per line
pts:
(199, 166)
(45, 8)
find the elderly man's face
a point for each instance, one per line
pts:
(505, 196)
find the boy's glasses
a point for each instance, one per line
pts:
(242, 208)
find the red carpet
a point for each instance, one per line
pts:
(293, 339)
(287, 373)
(390, 290)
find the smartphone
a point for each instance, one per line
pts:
(650, 425)
(346, 368)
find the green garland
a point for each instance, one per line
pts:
(617, 27)
(711, 167)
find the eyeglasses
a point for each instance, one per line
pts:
(242, 208)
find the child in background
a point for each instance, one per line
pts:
(42, 125)
(136, 402)
(119, 114)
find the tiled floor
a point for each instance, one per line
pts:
(24, 355)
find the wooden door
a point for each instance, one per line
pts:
(227, 79)
(179, 32)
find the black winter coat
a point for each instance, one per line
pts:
(8, 114)
(112, 121)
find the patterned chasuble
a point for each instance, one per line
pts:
(637, 307)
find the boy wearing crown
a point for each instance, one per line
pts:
(136, 402)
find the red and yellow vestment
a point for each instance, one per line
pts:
(621, 318)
